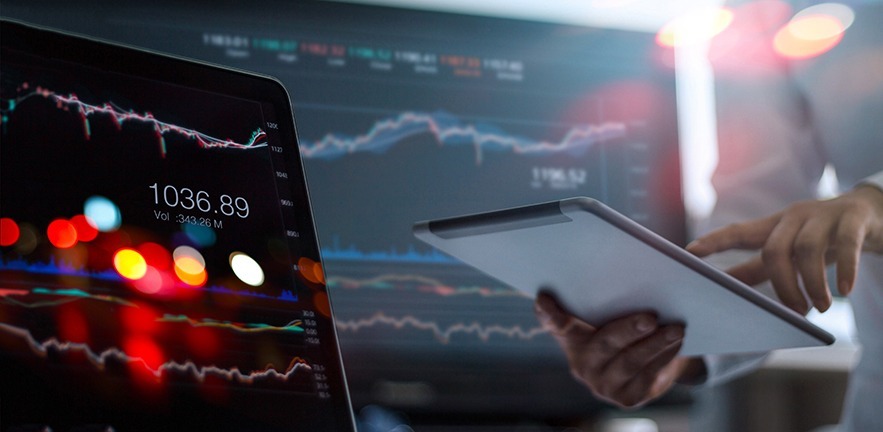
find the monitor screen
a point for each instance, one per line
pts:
(409, 115)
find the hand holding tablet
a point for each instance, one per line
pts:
(602, 266)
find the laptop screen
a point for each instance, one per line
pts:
(158, 260)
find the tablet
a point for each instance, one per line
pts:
(159, 268)
(602, 265)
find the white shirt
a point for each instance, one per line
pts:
(776, 136)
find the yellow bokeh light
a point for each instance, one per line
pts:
(815, 27)
(695, 27)
(130, 264)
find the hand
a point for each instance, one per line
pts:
(627, 362)
(802, 240)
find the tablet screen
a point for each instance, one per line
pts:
(159, 263)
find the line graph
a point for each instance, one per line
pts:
(200, 373)
(294, 326)
(352, 253)
(120, 116)
(443, 335)
(448, 130)
(421, 283)
(68, 295)
(52, 267)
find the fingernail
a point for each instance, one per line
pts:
(674, 333)
(546, 311)
(844, 287)
(542, 315)
(643, 324)
(696, 246)
(799, 308)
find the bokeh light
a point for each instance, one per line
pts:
(139, 320)
(189, 266)
(813, 31)
(102, 213)
(156, 255)
(841, 12)
(72, 325)
(311, 270)
(151, 283)
(246, 269)
(695, 27)
(61, 234)
(28, 239)
(148, 354)
(129, 264)
(203, 342)
(199, 235)
(86, 230)
(322, 304)
(9, 232)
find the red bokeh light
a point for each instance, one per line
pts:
(147, 358)
(72, 325)
(85, 231)
(203, 342)
(156, 256)
(62, 234)
(139, 320)
(9, 232)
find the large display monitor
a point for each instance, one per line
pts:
(409, 115)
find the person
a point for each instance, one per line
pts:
(771, 230)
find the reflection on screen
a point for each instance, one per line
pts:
(405, 116)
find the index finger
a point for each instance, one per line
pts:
(747, 235)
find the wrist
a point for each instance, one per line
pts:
(870, 195)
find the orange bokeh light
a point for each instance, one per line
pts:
(130, 264)
(311, 270)
(808, 36)
(9, 232)
(190, 271)
(62, 234)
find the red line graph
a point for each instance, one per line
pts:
(120, 116)
(200, 373)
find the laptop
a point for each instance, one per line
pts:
(159, 268)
